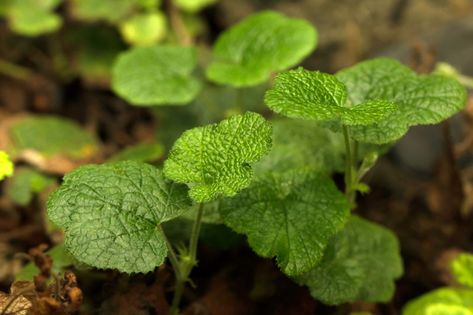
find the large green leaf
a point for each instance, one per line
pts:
(111, 214)
(247, 53)
(462, 269)
(289, 215)
(421, 99)
(301, 142)
(215, 160)
(321, 96)
(33, 17)
(359, 264)
(159, 75)
(444, 301)
(52, 135)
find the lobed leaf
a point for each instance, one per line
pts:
(247, 53)
(214, 160)
(158, 75)
(421, 99)
(359, 264)
(111, 214)
(289, 215)
(443, 301)
(321, 96)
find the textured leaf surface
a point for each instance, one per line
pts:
(291, 216)
(250, 51)
(421, 99)
(144, 29)
(359, 264)
(111, 214)
(299, 143)
(193, 5)
(450, 301)
(33, 17)
(320, 96)
(462, 268)
(215, 160)
(156, 75)
(51, 135)
(25, 183)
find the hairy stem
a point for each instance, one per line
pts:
(187, 262)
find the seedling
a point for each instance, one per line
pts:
(283, 200)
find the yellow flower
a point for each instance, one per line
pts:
(6, 165)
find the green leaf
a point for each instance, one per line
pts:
(215, 160)
(462, 269)
(61, 260)
(6, 165)
(421, 99)
(52, 135)
(111, 11)
(25, 183)
(302, 142)
(111, 214)
(321, 96)
(144, 152)
(159, 75)
(359, 264)
(247, 53)
(33, 17)
(193, 6)
(289, 215)
(444, 301)
(144, 29)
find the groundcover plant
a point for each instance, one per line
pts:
(269, 178)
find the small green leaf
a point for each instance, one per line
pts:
(111, 11)
(301, 142)
(215, 160)
(462, 268)
(193, 6)
(289, 215)
(33, 17)
(25, 183)
(52, 135)
(444, 301)
(144, 29)
(159, 75)
(6, 165)
(61, 260)
(421, 99)
(111, 214)
(145, 152)
(263, 43)
(359, 264)
(321, 96)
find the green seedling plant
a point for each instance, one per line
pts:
(269, 181)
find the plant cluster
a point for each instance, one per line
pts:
(268, 180)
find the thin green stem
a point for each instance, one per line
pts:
(14, 71)
(348, 162)
(171, 255)
(187, 262)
